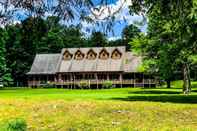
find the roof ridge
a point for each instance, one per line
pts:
(48, 54)
(93, 47)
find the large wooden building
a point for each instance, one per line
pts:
(92, 65)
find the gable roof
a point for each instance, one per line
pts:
(45, 64)
(96, 65)
(54, 63)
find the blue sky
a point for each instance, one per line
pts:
(97, 2)
(122, 18)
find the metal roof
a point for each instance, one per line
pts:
(45, 64)
(53, 63)
(97, 65)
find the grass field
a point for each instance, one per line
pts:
(125, 109)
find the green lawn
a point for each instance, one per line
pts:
(110, 109)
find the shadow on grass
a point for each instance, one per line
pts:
(194, 91)
(154, 92)
(187, 99)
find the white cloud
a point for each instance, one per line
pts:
(114, 38)
(102, 12)
(119, 10)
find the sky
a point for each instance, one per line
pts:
(122, 18)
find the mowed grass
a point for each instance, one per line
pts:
(119, 109)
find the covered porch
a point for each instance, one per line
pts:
(93, 80)
(72, 80)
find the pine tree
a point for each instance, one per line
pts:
(5, 76)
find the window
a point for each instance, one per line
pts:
(103, 54)
(79, 55)
(116, 54)
(67, 55)
(91, 55)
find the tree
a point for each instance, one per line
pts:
(22, 45)
(98, 39)
(52, 42)
(36, 35)
(118, 42)
(128, 33)
(72, 37)
(171, 32)
(5, 76)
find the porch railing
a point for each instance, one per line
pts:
(71, 82)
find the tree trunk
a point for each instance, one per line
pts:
(186, 79)
(168, 82)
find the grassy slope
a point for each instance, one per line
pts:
(115, 109)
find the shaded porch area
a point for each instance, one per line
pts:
(93, 80)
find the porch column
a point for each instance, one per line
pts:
(74, 80)
(59, 77)
(83, 76)
(33, 80)
(47, 79)
(120, 78)
(71, 77)
(96, 76)
(107, 76)
(55, 78)
(89, 83)
(39, 80)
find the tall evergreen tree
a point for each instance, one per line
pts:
(98, 39)
(5, 76)
(128, 33)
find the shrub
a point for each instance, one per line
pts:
(107, 84)
(16, 125)
(83, 84)
(48, 84)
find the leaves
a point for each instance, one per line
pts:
(4, 72)
(171, 36)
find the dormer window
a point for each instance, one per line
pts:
(116, 54)
(91, 55)
(79, 55)
(67, 55)
(103, 54)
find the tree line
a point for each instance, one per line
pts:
(20, 42)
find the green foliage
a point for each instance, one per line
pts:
(5, 76)
(35, 35)
(171, 38)
(107, 84)
(138, 43)
(98, 39)
(16, 125)
(47, 85)
(149, 66)
(128, 33)
(193, 58)
(117, 42)
(83, 84)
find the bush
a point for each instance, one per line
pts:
(44, 84)
(107, 84)
(16, 125)
(83, 84)
(48, 86)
